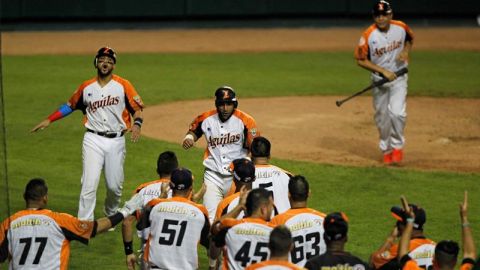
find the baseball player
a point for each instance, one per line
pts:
(383, 49)
(269, 176)
(421, 248)
(446, 251)
(280, 244)
(176, 225)
(245, 241)
(228, 132)
(335, 235)
(38, 238)
(304, 223)
(107, 101)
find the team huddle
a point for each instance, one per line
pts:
(248, 213)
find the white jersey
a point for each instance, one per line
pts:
(107, 108)
(226, 141)
(177, 225)
(305, 224)
(40, 239)
(245, 242)
(274, 179)
(382, 48)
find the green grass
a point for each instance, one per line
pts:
(35, 85)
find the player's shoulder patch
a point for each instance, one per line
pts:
(138, 100)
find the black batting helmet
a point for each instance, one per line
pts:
(381, 8)
(105, 51)
(225, 94)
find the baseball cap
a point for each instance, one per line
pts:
(107, 51)
(181, 179)
(243, 170)
(335, 226)
(381, 8)
(420, 215)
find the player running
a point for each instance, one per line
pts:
(228, 132)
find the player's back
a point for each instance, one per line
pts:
(274, 265)
(305, 224)
(37, 238)
(177, 225)
(246, 242)
(275, 179)
(337, 260)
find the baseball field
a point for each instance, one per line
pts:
(288, 79)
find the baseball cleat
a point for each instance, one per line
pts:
(397, 156)
(387, 158)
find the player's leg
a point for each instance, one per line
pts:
(114, 177)
(382, 117)
(214, 193)
(92, 155)
(398, 113)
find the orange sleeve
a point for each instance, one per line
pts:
(380, 258)
(362, 49)
(133, 100)
(196, 125)
(76, 100)
(73, 228)
(4, 226)
(411, 265)
(250, 126)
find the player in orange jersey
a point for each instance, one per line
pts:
(304, 223)
(446, 252)
(38, 238)
(108, 103)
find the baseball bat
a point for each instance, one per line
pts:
(399, 73)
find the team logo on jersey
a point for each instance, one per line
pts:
(389, 48)
(107, 101)
(253, 131)
(361, 42)
(224, 139)
(83, 226)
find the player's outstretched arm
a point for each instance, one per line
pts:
(467, 237)
(63, 111)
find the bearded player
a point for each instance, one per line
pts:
(228, 132)
(107, 101)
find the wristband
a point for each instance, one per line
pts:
(138, 121)
(128, 247)
(410, 220)
(115, 219)
(189, 136)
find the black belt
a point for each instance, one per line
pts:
(107, 134)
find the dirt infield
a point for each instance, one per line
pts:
(442, 134)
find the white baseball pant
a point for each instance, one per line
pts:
(215, 191)
(100, 152)
(389, 102)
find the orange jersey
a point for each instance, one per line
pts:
(274, 265)
(227, 205)
(40, 239)
(108, 108)
(305, 224)
(421, 250)
(467, 264)
(245, 241)
(226, 141)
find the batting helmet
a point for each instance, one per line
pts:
(105, 51)
(381, 8)
(225, 94)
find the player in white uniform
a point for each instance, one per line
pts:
(269, 176)
(107, 101)
(228, 132)
(177, 225)
(245, 241)
(166, 163)
(384, 49)
(38, 238)
(304, 223)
